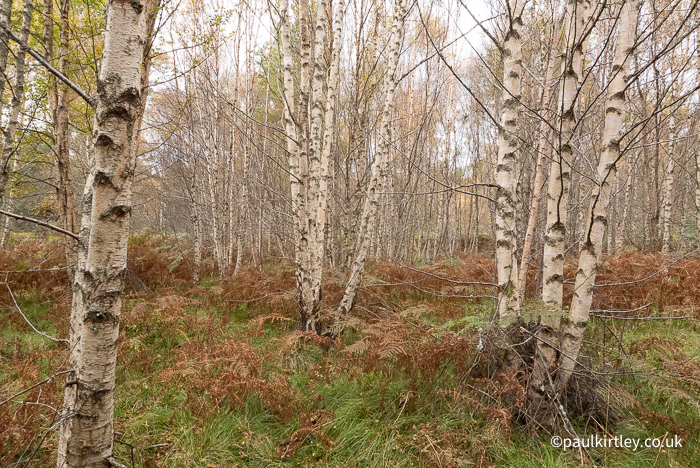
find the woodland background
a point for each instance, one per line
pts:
(311, 276)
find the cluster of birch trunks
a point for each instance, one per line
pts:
(329, 133)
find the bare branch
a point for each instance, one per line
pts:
(45, 63)
(40, 223)
(57, 340)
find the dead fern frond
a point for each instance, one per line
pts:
(259, 323)
(391, 347)
(358, 347)
(311, 425)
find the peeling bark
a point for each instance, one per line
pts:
(87, 431)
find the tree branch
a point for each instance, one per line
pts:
(57, 340)
(41, 223)
(45, 63)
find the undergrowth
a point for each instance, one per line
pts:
(214, 374)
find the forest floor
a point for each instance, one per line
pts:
(214, 375)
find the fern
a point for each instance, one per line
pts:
(358, 347)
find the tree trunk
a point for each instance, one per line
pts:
(622, 217)
(8, 144)
(196, 217)
(368, 218)
(5, 15)
(294, 133)
(309, 143)
(560, 173)
(315, 245)
(9, 206)
(597, 219)
(696, 147)
(506, 263)
(542, 150)
(557, 200)
(667, 186)
(58, 102)
(87, 432)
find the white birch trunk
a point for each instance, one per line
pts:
(506, 179)
(697, 142)
(622, 217)
(196, 217)
(308, 302)
(542, 150)
(58, 101)
(315, 244)
(309, 157)
(297, 175)
(5, 14)
(442, 230)
(557, 200)
(243, 215)
(697, 191)
(9, 206)
(329, 121)
(368, 218)
(240, 237)
(667, 186)
(597, 218)
(8, 143)
(560, 172)
(87, 432)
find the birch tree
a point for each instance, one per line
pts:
(667, 185)
(597, 217)
(557, 196)
(560, 172)
(696, 148)
(543, 148)
(368, 219)
(87, 430)
(58, 104)
(8, 141)
(309, 140)
(506, 179)
(5, 15)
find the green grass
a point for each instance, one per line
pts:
(375, 418)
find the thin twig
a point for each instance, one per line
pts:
(613, 311)
(114, 463)
(48, 379)
(446, 279)
(640, 318)
(57, 340)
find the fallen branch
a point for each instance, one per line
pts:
(640, 318)
(613, 311)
